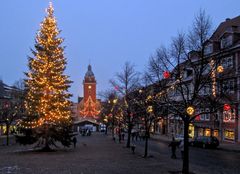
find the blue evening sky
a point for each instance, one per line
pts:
(104, 32)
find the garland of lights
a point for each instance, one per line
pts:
(47, 86)
(89, 108)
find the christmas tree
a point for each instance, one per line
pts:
(47, 102)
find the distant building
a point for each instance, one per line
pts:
(88, 107)
(10, 97)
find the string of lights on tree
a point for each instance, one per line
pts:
(190, 110)
(90, 108)
(47, 100)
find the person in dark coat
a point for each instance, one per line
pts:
(173, 144)
(74, 141)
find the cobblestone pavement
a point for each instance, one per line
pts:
(97, 154)
(214, 161)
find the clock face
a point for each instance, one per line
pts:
(89, 87)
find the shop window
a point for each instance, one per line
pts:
(200, 132)
(207, 115)
(202, 115)
(216, 133)
(207, 132)
(191, 131)
(229, 134)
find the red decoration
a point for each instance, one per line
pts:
(197, 118)
(226, 107)
(116, 88)
(6, 105)
(166, 74)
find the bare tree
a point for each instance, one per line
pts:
(189, 76)
(125, 83)
(107, 113)
(12, 107)
(190, 72)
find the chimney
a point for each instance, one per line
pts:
(227, 19)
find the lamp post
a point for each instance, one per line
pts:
(113, 102)
(106, 123)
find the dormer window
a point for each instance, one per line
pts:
(226, 41)
(208, 49)
(188, 73)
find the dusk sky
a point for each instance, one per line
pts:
(105, 33)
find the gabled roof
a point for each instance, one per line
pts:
(224, 26)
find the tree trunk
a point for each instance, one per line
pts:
(106, 131)
(129, 134)
(46, 147)
(146, 145)
(113, 130)
(185, 169)
(7, 131)
(129, 129)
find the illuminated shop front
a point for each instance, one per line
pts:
(160, 126)
(229, 135)
(3, 129)
(229, 116)
(216, 133)
(191, 131)
(207, 132)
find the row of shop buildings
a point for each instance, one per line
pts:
(223, 46)
(10, 98)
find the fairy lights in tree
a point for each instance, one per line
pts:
(220, 69)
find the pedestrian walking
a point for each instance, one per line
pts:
(74, 141)
(181, 146)
(136, 135)
(119, 136)
(123, 135)
(173, 146)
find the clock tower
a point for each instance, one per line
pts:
(89, 85)
(89, 106)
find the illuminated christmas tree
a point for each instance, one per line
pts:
(47, 102)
